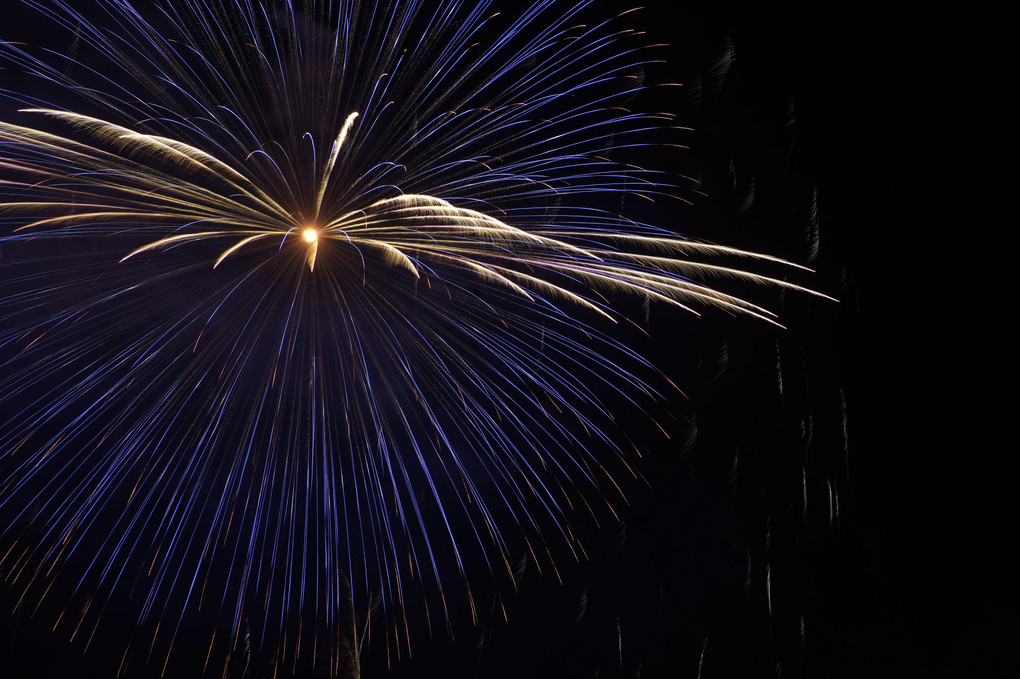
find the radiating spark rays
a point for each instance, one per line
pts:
(237, 365)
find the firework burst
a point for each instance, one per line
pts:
(303, 290)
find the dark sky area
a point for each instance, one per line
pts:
(812, 142)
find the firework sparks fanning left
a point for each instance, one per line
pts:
(296, 293)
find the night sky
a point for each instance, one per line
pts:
(811, 142)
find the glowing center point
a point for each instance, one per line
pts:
(310, 235)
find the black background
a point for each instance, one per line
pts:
(723, 574)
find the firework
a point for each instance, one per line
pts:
(300, 292)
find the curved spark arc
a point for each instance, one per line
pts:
(422, 384)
